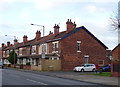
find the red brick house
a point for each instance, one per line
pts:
(71, 48)
(116, 52)
(115, 65)
(0, 54)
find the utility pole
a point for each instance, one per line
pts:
(43, 47)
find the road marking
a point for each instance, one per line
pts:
(36, 81)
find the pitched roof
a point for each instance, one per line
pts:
(116, 47)
(65, 34)
(53, 37)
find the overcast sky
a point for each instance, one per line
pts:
(17, 15)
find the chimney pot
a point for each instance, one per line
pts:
(74, 25)
(70, 26)
(25, 38)
(8, 43)
(11, 45)
(15, 41)
(38, 34)
(3, 45)
(50, 32)
(56, 29)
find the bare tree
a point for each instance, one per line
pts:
(116, 19)
(115, 23)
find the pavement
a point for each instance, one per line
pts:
(81, 76)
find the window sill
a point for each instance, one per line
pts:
(54, 51)
(79, 51)
(20, 54)
(33, 53)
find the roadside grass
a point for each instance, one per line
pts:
(108, 74)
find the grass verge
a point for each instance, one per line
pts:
(108, 74)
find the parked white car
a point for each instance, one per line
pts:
(85, 67)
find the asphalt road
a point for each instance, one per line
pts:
(15, 77)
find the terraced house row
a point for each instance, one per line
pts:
(63, 50)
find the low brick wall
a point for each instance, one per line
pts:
(12, 65)
(36, 68)
(27, 67)
(115, 69)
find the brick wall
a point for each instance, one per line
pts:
(24, 51)
(116, 52)
(89, 46)
(50, 47)
(0, 53)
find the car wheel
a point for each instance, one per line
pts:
(82, 70)
(93, 70)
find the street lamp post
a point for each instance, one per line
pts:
(43, 50)
(14, 48)
(41, 26)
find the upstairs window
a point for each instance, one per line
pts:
(44, 48)
(55, 46)
(28, 51)
(78, 46)
(40, 49)
(20, 51)
(34, 49)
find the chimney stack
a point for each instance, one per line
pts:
(50, 32)
(25, 38)
(56, 29)
(8, 43)
(70, 26)
(74, 25)
(3, 45)
(15, 41)
(38, 35)
(11, 45)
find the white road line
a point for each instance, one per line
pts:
(36, 81)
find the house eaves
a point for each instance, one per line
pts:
(53, 40)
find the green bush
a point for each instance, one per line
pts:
(28, 63)
(12, 57)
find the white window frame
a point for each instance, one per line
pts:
(56, 42)
(40, 49)
(54, 58)
(3, 53)
(7, 53)
(86, 58)
(45, 48)
(27, 50)
(78, 42)
(20, 51)
(34, 49)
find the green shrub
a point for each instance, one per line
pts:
(28, 63)
(12, 57)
